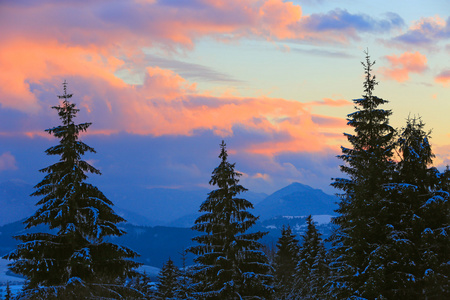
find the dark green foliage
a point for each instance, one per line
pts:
(285, 262)
(8, 294)
(413, 183)
(358, 243)
(392, 240)
(168, 285)
(140, 287)
(312, 270)
(75, 261)
(185, 280)
(417, 229)
(230, 262)
(435, 241)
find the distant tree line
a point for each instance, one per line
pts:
(390, 239)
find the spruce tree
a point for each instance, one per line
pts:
(74, 261)
(140, 286)
(418, 227)
(312, 269)
(185, 280)
(285, 262)
(360, 238)
(230, 262)
(435, 241)
(413, 184)
(8, 294)
(168, 285)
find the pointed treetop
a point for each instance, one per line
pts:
(223, 151)
(370, 82)
(65, 95)
(66, 110)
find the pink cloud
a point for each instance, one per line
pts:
(124, 26)
(7, 162)
(443, 78)
(331, 102)
(25, 63)
(442, 159)
(401, 66)
(88, 42)
(165, 104)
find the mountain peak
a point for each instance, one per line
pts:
(298, 185)
(296, 199)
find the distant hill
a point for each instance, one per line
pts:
(179, 208)
(175, 207)
(141, 206)
(15, 201)
(296, 200)
(17, 204)
(166, 206)
(156, 244)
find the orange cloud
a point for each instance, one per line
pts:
(331, 102)
(401, 66)
(443, 78)
(43, 45)
(124, 26)
(24, 63)
(277, 17)
(442, 159)
(165, 104)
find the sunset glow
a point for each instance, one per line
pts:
(274, 78)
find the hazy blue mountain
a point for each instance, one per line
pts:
(186, 221)
(179, 208)
(15, 201)
(166, 206)
(296, 200)
(174, 207)
(156, 244)
(139, 205)
(17, 204)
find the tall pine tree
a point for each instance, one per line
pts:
(358, 242)
(285, 262)
(230, 263)
(75, 261)
(168, 285)
(312, 270)
(8, 294)
(435, 241)
(413, 184)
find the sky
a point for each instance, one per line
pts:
(165, 81)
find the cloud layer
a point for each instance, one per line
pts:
(425, 33)
(402, 65)
(91, 44)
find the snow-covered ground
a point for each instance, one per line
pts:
(150, 271)
(318, 219)
(322, 219)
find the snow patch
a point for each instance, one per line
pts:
(149, 270)
(318, 219)
(322, 219)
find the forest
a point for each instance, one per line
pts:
(390, 239)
